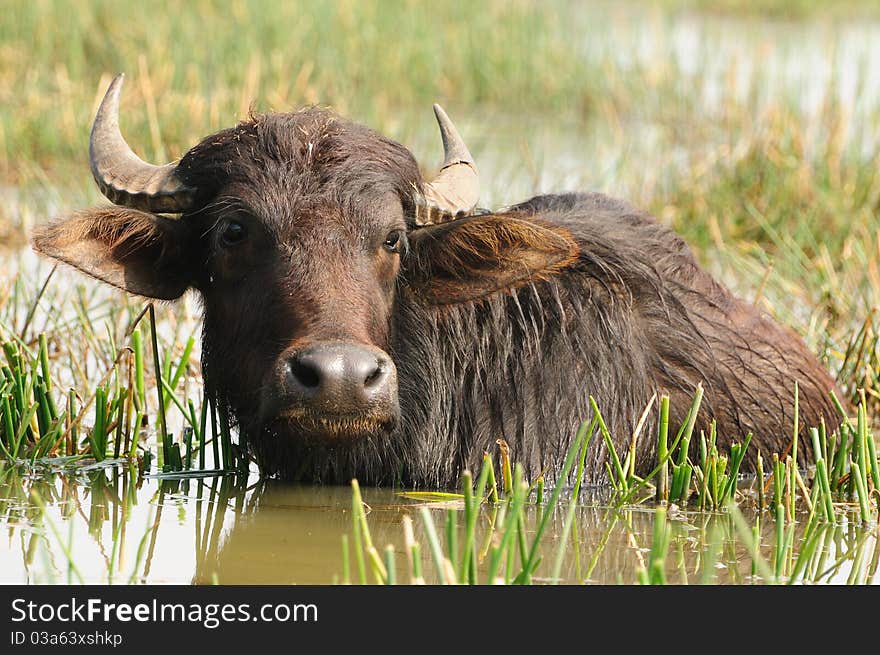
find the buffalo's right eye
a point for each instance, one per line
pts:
(395, 241)
(233, 234)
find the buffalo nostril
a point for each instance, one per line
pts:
(375, 377)
(338, 377)
(306, 374)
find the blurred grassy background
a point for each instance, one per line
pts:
(750, 127)
(198, 67)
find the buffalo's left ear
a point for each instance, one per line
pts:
(138, 252)
(473, 257)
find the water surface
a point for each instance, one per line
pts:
(108, 524)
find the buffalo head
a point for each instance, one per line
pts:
(300, 232)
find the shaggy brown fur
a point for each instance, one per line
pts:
(500, 325)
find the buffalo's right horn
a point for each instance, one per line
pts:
(456, 189)
(122, 176)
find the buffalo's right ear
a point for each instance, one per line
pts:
(138, 252)
(470, 258)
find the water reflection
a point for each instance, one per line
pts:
(110, 524)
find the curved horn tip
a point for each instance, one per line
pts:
(118, 79)
(113, 92)
(454, 149)
(122, 176)
(456, 189)
(108, 110)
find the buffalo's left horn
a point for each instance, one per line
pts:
(122, 176)
(456, 189)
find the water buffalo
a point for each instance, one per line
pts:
(362, 321)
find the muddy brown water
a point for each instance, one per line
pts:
(102, 525)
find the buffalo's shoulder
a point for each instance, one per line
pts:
(617, 235)
(564, 203)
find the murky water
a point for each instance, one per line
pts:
(108, 525)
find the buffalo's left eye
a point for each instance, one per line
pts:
(395, 241)
(233, 234)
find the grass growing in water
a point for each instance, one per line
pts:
(39, 420)
(512, 555)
